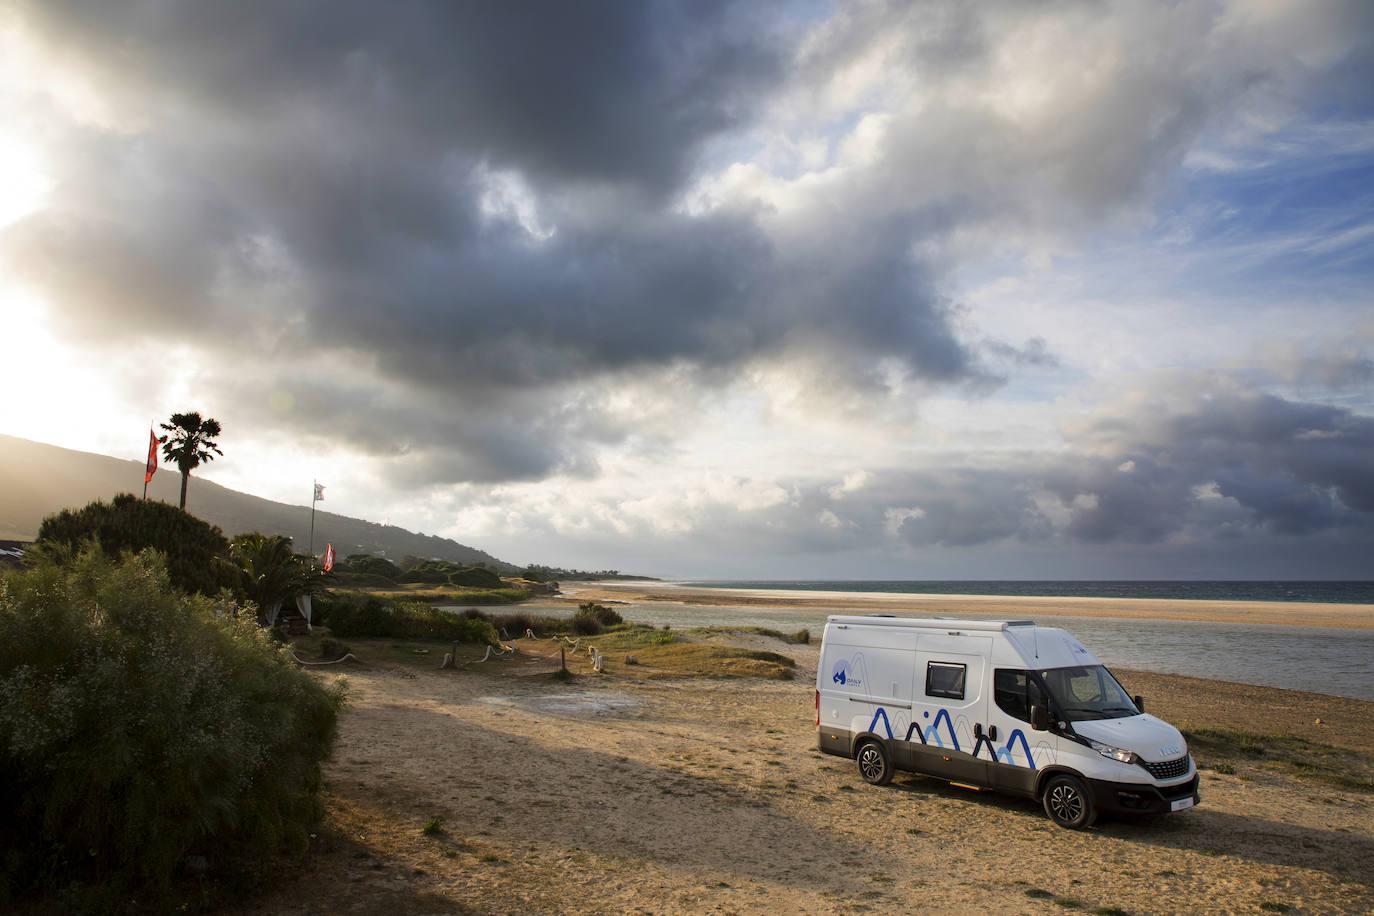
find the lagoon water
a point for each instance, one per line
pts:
(1315, 659)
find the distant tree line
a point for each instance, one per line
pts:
(361, 569)
(538, 573)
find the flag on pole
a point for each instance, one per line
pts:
(328, 557)
(319, 492)
(152, 456)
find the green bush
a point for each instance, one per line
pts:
(363, 564)
(140, 732)
(196, 552)
(430, 572)
(377, 618)
(476, 577)
(600, 613)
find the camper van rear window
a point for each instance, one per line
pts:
(945, 680)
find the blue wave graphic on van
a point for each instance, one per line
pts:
(998, 755)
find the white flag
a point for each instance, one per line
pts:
(319, 491)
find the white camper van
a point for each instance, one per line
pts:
(1003, 705)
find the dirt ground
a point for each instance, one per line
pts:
(613, 794)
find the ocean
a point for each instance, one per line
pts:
(1335, 661)
(1318, 592)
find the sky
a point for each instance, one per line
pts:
(705, 289)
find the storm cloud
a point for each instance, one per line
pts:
(491, 246)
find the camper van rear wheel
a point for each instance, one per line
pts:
(1067, 802)
(873, 764)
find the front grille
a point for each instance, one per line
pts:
(1168, 769)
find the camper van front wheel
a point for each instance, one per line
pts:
(1067, 803)
(873, 764)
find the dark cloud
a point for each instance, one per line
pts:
(286, 177)
(1288, 467)
(473, 210)
(1211, 464)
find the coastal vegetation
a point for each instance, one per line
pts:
(354, 615)
(159, 750)
(195, 553)
(538, 573)
(433, 581)
(635, 651)
(1231, 751)
(271, 573)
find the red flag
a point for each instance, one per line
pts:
(152, 456)
(328, 557)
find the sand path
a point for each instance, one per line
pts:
(613, 795)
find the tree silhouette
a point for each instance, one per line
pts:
(189, 441)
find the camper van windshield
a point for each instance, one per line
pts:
(1088, 692)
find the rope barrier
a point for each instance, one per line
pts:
(301, 661)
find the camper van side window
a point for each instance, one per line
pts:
(1009, 692)
(945, 680)
(1015, 692)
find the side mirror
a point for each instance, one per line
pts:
(1139, 702)
(1040, 718)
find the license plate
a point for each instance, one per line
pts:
(1181, 804)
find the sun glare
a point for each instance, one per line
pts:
(23, 184)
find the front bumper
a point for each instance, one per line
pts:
(1138, 798)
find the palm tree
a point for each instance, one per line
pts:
(190, 440)
(271, 572)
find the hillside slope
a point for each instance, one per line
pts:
(37, 480)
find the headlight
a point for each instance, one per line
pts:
(1115, 753)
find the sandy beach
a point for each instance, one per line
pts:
(1352, 616)
(630, 793)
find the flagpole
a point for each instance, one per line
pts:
(314, 493)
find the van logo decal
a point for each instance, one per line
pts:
(842, 675)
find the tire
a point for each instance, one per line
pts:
(1067, 802)
(874, 765)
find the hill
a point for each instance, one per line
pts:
(37, 480)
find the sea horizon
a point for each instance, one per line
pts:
(1312, 591)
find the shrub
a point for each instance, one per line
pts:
(374, 617)
(363, 564)
(430, 572)
(196, 552)
(137, 730)
(476, 577)
(332, 650)
(586, 625)
(599, 612)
